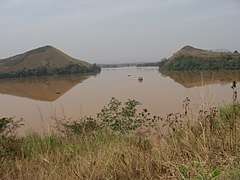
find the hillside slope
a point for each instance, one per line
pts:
(190, 58)
(45, 60)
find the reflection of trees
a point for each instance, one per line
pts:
(191, 79)
(44, 88)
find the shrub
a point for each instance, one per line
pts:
(84, 126)
(9, 144)
(227, 112)
(8, 126)
(124, 118)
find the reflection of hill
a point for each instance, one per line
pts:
(45, 88)
(191, 79)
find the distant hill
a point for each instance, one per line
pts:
(45, 60)
(190, 58)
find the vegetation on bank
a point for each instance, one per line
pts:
(45, 70)
(190, 58)
(200, 63)
(125, 143)
(143, 64)
(148, 64)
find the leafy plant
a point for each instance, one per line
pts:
(84, 126)
(125, 118)
(9, 144)
(8, 126)
(230, 114)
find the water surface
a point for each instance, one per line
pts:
(37, 100)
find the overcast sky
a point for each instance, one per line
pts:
(113, 31)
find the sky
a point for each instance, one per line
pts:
(118, 31)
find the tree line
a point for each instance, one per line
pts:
(227, 62)
(44, 70)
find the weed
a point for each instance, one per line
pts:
(124, 118)
(186, 104)
(9, 144)
(8, 126)
(174, 121)
(233, 125)
(83, 126)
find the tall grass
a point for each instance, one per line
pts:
(86, 149)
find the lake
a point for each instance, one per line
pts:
(38, 99)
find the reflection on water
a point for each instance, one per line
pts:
(191, 79)
(45, 88)
(86, 95)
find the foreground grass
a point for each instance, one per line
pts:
(193, 151)
(98, 156)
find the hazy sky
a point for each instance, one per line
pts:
(108, 31)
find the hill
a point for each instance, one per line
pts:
(190, 58)
(45, 60)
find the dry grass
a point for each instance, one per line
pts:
(193, 151)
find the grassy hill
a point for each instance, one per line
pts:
(190, 58)
(45, 60)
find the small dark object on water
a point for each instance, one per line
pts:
(58, 92)
(140, 79)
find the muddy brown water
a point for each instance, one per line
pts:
(38, 99)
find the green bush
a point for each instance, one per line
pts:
(124, 118)
(228, 112)
(9, 144)
(8, 126)
(84, 126)
(182, 62)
